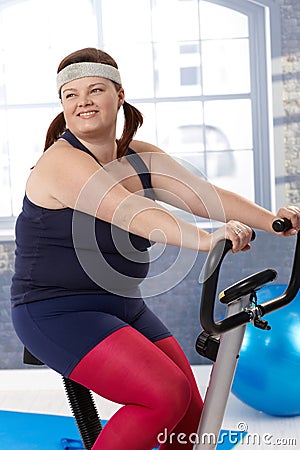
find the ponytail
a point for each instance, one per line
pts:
(133, 120)
(55, 130)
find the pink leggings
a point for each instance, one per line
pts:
(155, 383)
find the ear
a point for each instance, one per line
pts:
(67, 126)
(121, 96)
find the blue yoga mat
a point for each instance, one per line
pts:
(28, 431)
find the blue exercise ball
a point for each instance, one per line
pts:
(268, 369)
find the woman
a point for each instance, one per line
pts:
(88, 218)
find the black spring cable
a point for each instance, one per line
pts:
(253, 298)
(257, 320)
(84, 411)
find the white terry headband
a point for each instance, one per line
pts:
(87, 69)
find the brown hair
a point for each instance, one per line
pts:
(133, 117)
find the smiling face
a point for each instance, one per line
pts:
(91, 106)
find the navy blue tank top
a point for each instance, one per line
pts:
(66, 252)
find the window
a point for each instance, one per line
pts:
(197, 69)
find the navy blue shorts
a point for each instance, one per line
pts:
(61, 331)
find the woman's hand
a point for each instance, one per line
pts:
(238, 233)
(293, 214)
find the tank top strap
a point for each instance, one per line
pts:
(134, 159)
(143, 172)
(72, 139)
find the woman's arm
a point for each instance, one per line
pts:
(177, 186)
(75, 181)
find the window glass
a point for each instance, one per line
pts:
(231, 171)
(228, 115)
(219, 22)
(181, 132)
(5, 184)
(225, 65)
(175, 20)
(26, 141)
(171, 118)
(178, 69)
(125, 22)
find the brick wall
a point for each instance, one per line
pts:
(290, 23)
(10, 347)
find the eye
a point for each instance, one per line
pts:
(70, 95)
(97, 89)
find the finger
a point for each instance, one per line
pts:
(293, 214)
(240, 236)
(247, 247)
(295, 217)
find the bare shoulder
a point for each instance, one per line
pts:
(145, 147)
(62, 152)
(60, 169)
(63, 162)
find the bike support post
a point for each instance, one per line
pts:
(220, 382)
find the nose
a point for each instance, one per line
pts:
(84, 100)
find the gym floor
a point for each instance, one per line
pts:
(41, 391)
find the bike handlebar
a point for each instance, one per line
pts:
(209, 289)
(211, 276)
(294, 283)
(281, 225)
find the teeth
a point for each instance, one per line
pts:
(87, 113)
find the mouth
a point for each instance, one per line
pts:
(87, 114)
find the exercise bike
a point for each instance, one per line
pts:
(219, 341)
